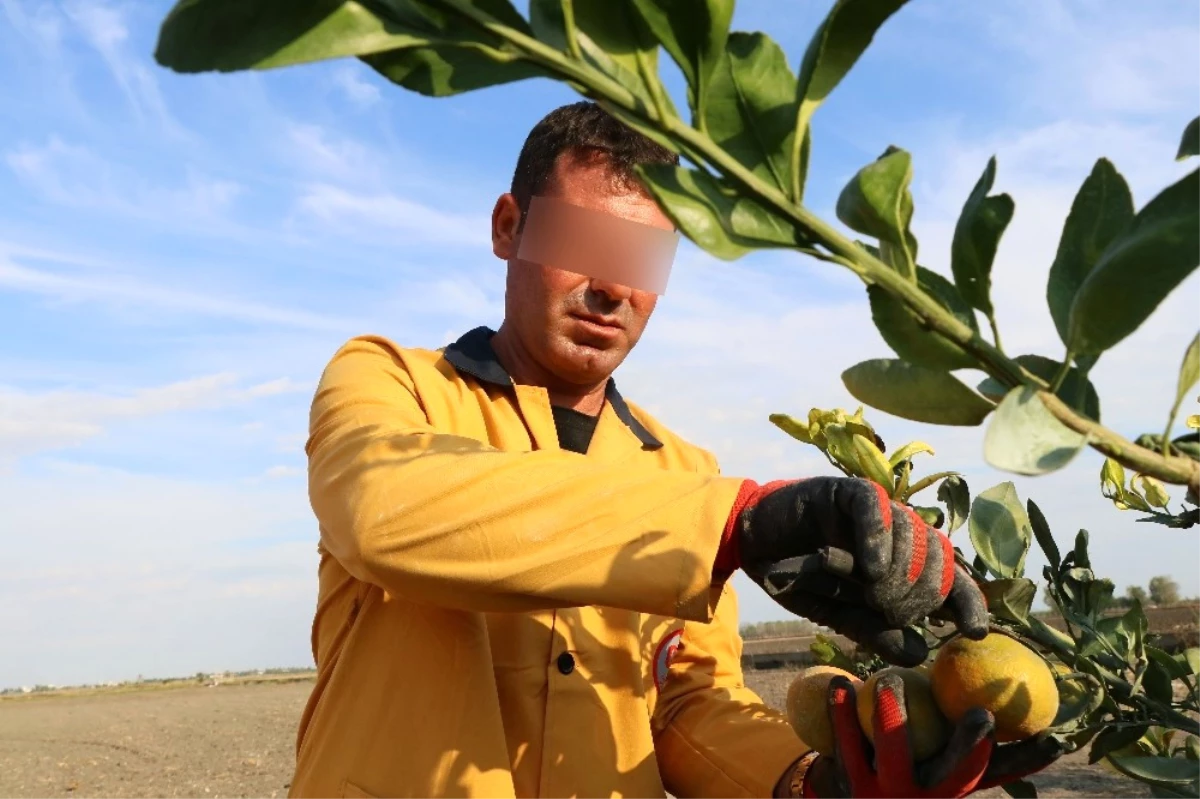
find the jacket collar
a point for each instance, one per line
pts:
(472, 354)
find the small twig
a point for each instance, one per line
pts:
(991, 317)
(1062, 373)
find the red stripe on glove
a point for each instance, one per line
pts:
(947, 565)
(885, 506)
(919, 543)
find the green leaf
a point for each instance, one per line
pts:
(1102, 208)
(1169, 770)
(1138, 269)
(1078, 697)
(752, 107)
(1025, 438)
(909, 337)
(792, 426)
(1076, 390)
(694, 33)
(233, 35)
(1191, 658)
(1192, 747)
(1000, 530)
(1189, 373)
(1041, 530)
(1155, 493)
(710, 212)
(977, 237)
(908, 451)
(828, 653)
(877, 202)
(915, 393)
(840, 446)
(1010, 598)
(613, 37)
(450, 69)
(1112, 479)
(841, 39)
(1173, 668)
(1114, 738)
(1158, 683)
(1020, 789)
(934, 517)
(954, 492)
(873, 462)
(1082, 560)
(1189, 142)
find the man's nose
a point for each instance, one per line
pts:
(614, 291)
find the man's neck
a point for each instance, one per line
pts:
(525, 370)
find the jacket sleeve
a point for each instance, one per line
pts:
(714, 737)
(447, 520)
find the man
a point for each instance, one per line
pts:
(524, 576)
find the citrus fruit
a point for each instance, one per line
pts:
(807, 708)
(928, 729)
(1000, 674)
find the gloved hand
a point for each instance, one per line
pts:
(971, 760)
(839, 552)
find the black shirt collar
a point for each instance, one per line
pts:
(473, 354)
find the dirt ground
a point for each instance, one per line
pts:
(238, 741)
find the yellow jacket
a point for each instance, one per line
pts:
(496, 615)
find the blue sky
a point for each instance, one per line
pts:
(180, 255)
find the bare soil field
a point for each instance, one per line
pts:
(239, 741)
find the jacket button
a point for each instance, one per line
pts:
(566, 663)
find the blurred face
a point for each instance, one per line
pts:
(577, 328)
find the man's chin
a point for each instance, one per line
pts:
(590, 361)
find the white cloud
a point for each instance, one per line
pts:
(400, 219)
(74, 176)
(348, 79)
(32, 422)
(284, 471)
(104, 28)
(1112, 58)
(120, 290)
(147, 575)
(345, 159)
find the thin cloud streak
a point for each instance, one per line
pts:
(157, 298)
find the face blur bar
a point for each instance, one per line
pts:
(597, 245)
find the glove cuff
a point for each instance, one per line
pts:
(728, 554)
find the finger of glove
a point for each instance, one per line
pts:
(965, 755)
(967, 605)
(849, 742)
(901, 646)
(809, 573)
(903, 594)
(867, 509)
(1013, 761)
(893, 751)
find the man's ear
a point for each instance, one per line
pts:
(506, 217)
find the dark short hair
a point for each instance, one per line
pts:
(586, 130)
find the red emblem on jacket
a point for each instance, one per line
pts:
(664, 653)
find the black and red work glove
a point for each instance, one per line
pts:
(970, 761)
(839, 552)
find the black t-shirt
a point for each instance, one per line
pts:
(575, 429)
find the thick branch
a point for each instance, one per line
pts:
(991, 359)
(1170, 469)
